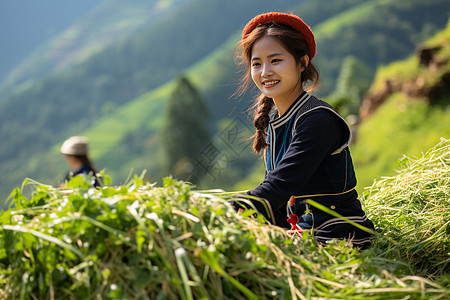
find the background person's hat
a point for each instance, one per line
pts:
(76, 145)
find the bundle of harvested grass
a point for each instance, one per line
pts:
(139, 241)
(412, 212)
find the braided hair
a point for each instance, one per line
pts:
(262, 108)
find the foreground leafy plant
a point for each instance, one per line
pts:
(139, 241)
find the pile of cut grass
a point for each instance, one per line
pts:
(140, 241)
(412, 212)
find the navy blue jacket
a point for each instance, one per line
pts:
(308, 157)
(85, 169)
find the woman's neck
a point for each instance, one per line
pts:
(283, 104)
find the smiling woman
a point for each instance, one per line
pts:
(305, 141)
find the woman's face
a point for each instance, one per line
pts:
(73, 162)
(275, 71)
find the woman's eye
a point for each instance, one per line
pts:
(275, 60)
(255, 64)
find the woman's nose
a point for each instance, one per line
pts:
(266, 70)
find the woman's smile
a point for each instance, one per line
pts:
(270, 83)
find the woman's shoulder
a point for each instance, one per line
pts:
(325, 122)
(320, 116)
(322, 119)
(314, 104)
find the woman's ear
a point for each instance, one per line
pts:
(304, 62)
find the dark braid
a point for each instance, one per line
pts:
(263, 107)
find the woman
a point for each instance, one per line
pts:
(304, 139)
(75, 150)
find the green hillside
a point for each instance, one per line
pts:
(110, 23)
(45, 112)
(414, 116)
(25, 25)
(117, 97)
(376, 32)
(128, 137)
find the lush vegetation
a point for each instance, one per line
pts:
(109, 23)
(136, 239)
(398, 127)
(360, 31)
(125, 76)
(409, 123)
(144, 241)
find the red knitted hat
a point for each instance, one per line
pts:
(286, 19)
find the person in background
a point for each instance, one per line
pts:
(303, 139)
(75, 150)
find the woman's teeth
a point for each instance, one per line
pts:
(270, 82)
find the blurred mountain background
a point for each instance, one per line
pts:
(108, 69)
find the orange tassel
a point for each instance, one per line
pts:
(292, 200)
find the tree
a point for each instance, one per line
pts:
(184, 133)
(352, 83)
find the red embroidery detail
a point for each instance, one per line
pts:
(293, 220)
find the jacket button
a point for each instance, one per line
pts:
(333, 207)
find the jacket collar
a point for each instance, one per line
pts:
(278, 121)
